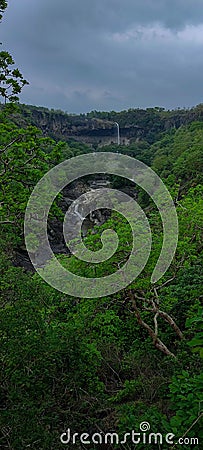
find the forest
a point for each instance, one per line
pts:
(100, 365)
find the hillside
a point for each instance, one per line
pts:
(101, 241)
(99, 129)
(105, 363)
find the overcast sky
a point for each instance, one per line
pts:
(81, 55)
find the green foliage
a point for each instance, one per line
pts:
(146, 130)
(3, 6)
(11, 80)
(86, 364)
(187, 402)
(195, 322)
(180, 152)
(25, 156)
(49, 367)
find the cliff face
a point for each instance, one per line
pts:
(55, 226)
(96, 132)
(99, 128)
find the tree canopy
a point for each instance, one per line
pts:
(100, 365)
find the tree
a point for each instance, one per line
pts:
(11, 79)
(3, 6)
(24, 158)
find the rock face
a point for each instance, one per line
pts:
(21, 259)
(61, 126)
(87, 190)
(71, 193)
(135, 124)
(93, 132)
(55, 227)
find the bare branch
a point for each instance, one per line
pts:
(165, 316)
(156, 324)
(156, 341)
(172, 323)
(11, 143)
(3, 222)
(166, 282)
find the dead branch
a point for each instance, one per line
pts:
(156, 341)
(172, 323)
(3, 222)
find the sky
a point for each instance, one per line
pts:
(84, 55)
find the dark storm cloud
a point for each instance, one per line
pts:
(111, 54)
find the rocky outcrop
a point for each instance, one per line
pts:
(55, 226)
(135, 124)
(75, 190)
(92, 131)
